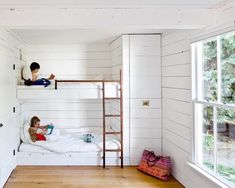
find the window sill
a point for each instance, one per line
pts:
(210, 177)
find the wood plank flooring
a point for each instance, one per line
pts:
(84, 177)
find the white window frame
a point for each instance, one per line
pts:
(197, 98)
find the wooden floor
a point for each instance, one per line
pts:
(84, 177)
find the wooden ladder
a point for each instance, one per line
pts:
(120, 133)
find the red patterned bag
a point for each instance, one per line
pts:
(157, 166)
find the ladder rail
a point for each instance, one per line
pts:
(120, 98)
(104, 124)
(121, 117)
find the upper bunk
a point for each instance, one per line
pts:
(70, 89)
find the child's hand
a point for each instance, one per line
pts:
(44, 131)
(52, 76)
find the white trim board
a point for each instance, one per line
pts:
(81, 159)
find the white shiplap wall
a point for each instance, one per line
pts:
(68, 62)
(177, 107)
(145, 84)
(68, 115)
(118, 50)
(88, 61)
(140, 59)
(9, 132)
(176, 93)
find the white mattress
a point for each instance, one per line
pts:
(72, 144)
(71, 85)
(67, 91)
(63, 86)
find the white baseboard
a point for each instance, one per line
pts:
(80, 159)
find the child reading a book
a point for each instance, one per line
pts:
(37, 132)
(30, 76)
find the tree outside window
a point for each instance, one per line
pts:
(215, 105)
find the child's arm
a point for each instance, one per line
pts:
(32, 132)
(34, 77)
(43, 126)
(51, 77)
(44, 131)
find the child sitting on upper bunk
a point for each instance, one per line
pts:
(30, 76)
(37, 132)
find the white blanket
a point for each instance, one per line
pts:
(73, 142)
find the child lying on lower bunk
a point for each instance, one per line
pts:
(37, 131)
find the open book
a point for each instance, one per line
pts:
(49, 129)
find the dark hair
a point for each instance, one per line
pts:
(34, 120)
(34, 66)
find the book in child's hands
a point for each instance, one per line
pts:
(49, 129)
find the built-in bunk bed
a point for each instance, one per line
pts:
(66, 147)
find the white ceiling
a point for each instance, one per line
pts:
(72, 36)
(44, 35)
(110, 3)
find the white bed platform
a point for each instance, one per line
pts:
(67, 148)
(67, 91)
(33, 155)
(55, 153)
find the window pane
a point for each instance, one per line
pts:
(226, 143)
(209, 75)
(228, 68)
(207, 138)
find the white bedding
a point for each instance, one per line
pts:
(72, 142)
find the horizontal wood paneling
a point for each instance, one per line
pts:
(176, 82)
(179, 117)
(71, 61)
(66, 114)
(173, 105)
(147, 123)
(176, 103)
(175, 48)
(176, 59)
(176, 128)
(177, 94)
(145, 84)
(180, 70)
(117, 64)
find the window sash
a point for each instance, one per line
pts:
(198, 140)
(216, 104)
(197, 98)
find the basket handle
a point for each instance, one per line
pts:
(150, 155)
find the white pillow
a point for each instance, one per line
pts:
(26, 73)
(25, 137)
(22, 137)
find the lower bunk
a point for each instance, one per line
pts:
(35, 156)
(67, 148)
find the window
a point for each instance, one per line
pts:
(214, 105)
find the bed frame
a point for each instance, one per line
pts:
(68, 159)
(104, 100)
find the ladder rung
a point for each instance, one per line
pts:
(112, 98)
(113, 133)
(113, 115)
(113, 150)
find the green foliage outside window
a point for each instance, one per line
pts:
(210, 93)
